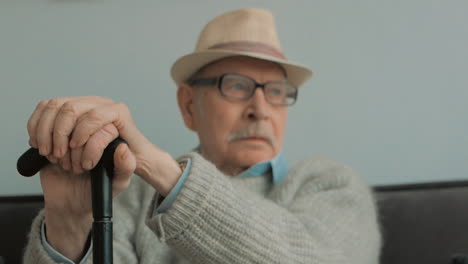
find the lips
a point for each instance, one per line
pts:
(255, 138)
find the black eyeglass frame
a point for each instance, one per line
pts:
(219, 80)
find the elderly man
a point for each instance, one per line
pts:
(233, 199)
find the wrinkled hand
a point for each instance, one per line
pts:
(72, 132)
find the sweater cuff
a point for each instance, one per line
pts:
(169, 200)
(54, 254)
(190, 201)
(35, 251)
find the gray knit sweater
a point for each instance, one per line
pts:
(320, 213)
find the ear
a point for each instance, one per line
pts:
(186, 100)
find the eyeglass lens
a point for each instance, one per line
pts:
(242, 87)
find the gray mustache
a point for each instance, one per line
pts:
(256, 129)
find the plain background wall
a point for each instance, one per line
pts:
(389, 96)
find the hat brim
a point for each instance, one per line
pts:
(187, 65)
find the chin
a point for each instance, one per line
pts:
(246, 153)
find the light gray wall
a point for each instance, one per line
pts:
(389, 96)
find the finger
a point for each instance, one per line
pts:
(64, 123)
(32, 122)
(96, 144)
(124, 166)
(65, 161)
(45, 125)
(94, 120)
(67, 117)
(52, 159)
(75, 156)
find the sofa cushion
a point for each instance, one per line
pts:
(16, 215)
(424, 223)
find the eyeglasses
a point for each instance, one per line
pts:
(242, 87)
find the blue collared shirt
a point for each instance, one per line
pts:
(278, 166)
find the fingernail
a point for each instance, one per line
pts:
(52, 159)
(123, 156)
(74, 143)
(87, 164)
(65, 166)
(32, 143)
(57, 152)
(44, 151)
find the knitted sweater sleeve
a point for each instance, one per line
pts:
(321, 213)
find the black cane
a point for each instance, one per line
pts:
(32, 162)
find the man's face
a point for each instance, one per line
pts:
(236, 134)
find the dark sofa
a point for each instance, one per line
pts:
(424, 223)
(421, 223)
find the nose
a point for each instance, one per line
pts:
(258, 108)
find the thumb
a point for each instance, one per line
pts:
(124, 166)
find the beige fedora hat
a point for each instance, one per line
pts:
(244, 32)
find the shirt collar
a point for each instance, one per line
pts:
(278, 166)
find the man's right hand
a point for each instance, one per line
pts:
(65, 183)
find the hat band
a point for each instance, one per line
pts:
(250, 46)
